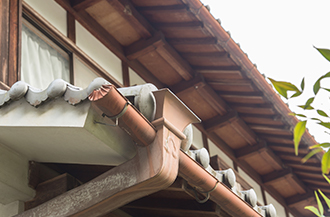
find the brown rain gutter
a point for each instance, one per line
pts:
(153, 168)
(219, 193)
(241, 59)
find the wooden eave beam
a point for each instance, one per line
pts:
(136, 20)
(80, 5)
(272, 177)
(180, 25)
(249, 151)
(299, 198)
(157, 43)
(163, 8)
(193, 41)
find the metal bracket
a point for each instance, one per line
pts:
(116, 117)
(204, 192)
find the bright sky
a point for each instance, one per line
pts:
(279, 37)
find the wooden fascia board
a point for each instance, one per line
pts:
(157, 43)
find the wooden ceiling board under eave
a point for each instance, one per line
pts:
(230, 136)
(197, 103)
(160, 68)
(114, 23)
(286, 186)
(172, 14)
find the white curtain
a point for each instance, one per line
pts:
(41, 63)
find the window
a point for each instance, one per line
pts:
(42, 61)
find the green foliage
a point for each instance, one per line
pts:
(283, 88)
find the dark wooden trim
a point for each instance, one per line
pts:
(263, 194)
(4, 86)
(125, 71)
(4, 40)
(71, 27)
(15, 26)
(205, 142)
(10, 40)
(193, 41)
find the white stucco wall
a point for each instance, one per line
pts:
(13, 176)
(52, 12)
(11, 209)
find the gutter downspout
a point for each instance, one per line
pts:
(154, 167)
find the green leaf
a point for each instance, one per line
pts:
(309, 101)
(296, 94)
(319, 204)
(298, 131)
(310, 154)
(322, 113)
(295, 114)
(313, 210)
(283, 87)
(306, 108)
(326, 178)
(324, 52)
(326, 75)
(302, 85)
(316, 119)
(324, 145)
(326, 199)
(326, 89)
(326, 162)
(325, 124)
(317, 86)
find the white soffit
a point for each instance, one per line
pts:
(56, 131)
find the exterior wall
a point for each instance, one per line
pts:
(214, 150)
(51, 11)
(97, 51)
(11, 209)
(134, 78)
(255, 185)
(13, 177)
(280, 211)
(197, 138)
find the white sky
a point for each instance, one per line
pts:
(279, 37)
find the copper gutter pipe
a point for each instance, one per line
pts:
(154, 167)
(198, 177)
(241, 59)
(108, 99)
